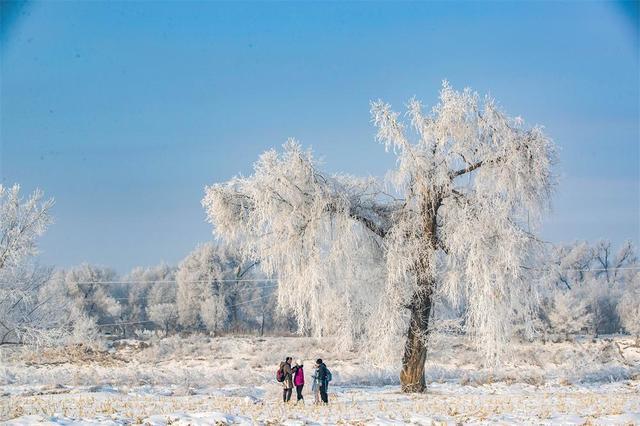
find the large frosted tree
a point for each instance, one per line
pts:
(363, 260)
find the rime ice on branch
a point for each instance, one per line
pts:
(470, 187)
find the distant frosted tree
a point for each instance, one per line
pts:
(595, 274)
(613, 271)
(165, 315)
(203, 275)
(145, 287)
(629, 308)
(152, 285)
(83, 284)
(469, 191)
(615, 266)
(213, 312)
(570, 264)
(257, 304)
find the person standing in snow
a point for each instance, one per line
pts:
(287, 383)
(315, 387)
(298, 379)
(324, 377)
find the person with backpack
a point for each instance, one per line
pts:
(298, 379)
(284, 375)
(324, 377)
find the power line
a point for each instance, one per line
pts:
(628, 268)
(211, 281)
(258, 280)
(241, 289)
(558, 270)
(145, 322)
(123, 323)
(561, 269)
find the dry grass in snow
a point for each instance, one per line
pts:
(199, 380)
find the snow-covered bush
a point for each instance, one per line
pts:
(569, 313)
(84, 328)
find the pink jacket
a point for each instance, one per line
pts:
(298, 378)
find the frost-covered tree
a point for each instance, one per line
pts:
(213, 312)
(569, 265)
(164, 314)
(142, 288)
(84, 300)
(22, 312)
(615, 266)
(152, 285)
(629, 308)
(612, 272)
(470, 185)
(595, 274)
(257, 304)
(21, 223)
(84, 285)
(203, 275)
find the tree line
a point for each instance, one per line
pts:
(211, 291)
(587, 289)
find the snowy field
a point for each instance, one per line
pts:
(202, 380)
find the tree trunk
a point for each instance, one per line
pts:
(415, 351)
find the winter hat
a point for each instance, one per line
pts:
(299, 362)
(319, 361)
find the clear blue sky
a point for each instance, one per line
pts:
(124, 111)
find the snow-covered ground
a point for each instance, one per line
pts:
(201, 380)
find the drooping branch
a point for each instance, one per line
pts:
(466, 170)
(375, 217)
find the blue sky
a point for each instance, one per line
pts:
(124, 111)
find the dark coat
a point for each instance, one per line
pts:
(322, 374)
